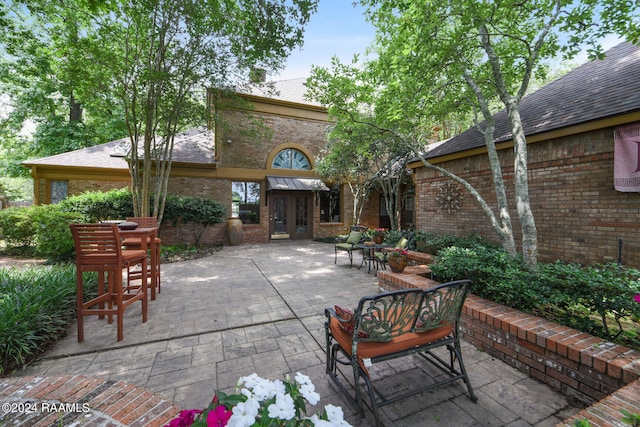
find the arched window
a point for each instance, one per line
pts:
(290, 158)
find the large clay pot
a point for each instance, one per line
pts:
(378, 239)
(397, 263)
(234, 231)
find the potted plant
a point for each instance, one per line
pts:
(397, 260)
(378, 235)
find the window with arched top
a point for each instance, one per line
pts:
(290, 158)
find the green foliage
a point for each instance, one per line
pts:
(629, 418)
(199, 212)
(17, 189)
(36, 306)
(16, 227)
(432, 243)
(53, 236)
(39, 230)
(99, 206)
(596, 299)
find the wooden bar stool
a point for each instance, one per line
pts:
(136, 243)
(98, 249)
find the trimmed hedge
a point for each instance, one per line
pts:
(598, 299)
(44, 230)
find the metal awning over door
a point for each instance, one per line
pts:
(295, 184)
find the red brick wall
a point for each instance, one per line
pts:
(250, 145)
(578, 213)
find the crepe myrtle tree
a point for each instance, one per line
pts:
(160, 56)
(437, 58)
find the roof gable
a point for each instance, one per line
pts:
(595, 90)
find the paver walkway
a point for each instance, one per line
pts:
(259, 308)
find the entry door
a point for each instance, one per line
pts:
(291, 215)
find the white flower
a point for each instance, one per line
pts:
(308, 391)
(283, 409)
(244, 413)
(263, 390)
(279, 387)
(250, 381)
(302, 379)
(334, 413)
(320, 423)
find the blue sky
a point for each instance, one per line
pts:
(340, 29)
(337, 28)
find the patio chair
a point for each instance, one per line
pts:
(351, 243)
(394, 325)
(136, 243)
(382, 257)
(98, 250)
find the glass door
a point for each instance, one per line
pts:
(278, 217)
(291, 215)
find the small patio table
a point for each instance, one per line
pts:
(368, 254)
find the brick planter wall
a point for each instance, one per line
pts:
(78, 400)
(577, 364)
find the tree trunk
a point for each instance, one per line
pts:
(521, 180)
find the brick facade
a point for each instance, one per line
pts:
(579, 215)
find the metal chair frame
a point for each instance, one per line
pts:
(353, 246)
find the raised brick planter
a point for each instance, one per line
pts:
(75, 399)
(577, 364)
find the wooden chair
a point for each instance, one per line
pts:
(135, 243)
(393, 325)
(98, 249)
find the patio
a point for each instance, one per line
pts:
(259, 308)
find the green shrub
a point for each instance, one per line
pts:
(42, 231)
(36, 306)
(53, 236)
(597, 299)
(199, 212)
(98, 206)
(432, 243)
(17, 227)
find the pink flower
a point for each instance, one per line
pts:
(637, 298)
(185, 418)
(218, 417)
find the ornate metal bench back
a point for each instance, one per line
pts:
(442, 305)
(386, 316)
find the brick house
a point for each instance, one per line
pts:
(261, 153)
(570, 125)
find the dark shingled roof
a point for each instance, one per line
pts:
(192, 146)
(596, 90)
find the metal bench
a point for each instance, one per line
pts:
(393, 325)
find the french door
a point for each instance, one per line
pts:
(291, 215)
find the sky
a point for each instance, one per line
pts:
(340, 29)
(336, 29)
